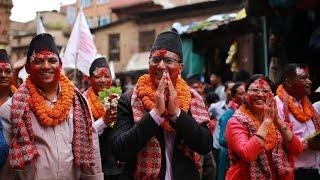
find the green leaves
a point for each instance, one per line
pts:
(107, 92)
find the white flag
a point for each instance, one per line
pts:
(40, 27)
(80, 50)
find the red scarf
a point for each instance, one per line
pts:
(260, 168)
(22, 148)
(233, 105)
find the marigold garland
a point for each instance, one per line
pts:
(302, 115)
(95, 104)
(13, 89)
(271, 139)
(146, 92)
(59, 112)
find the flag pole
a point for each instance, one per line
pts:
(75, 69)
(77, 52)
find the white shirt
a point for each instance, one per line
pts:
(308, 158)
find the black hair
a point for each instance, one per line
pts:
(4, 56)
(235, 87)
(259, 76)
(193, 79)
(226, 84)
(217, 73)
(98, 63)
(212, 97)
(289, 71)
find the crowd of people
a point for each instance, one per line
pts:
(162, 128)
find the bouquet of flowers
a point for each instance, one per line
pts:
(109, 97)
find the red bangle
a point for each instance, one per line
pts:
(260, 137)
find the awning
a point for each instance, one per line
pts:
(211, 23)
(115, 4)
(138, 61)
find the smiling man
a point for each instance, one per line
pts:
(294, 106)
(6, 89)
(100, 79)
(161, 127)
(48, 122)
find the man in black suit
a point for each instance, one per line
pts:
(161, 127)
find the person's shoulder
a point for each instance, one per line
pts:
(194, 93)
(85, 93)
(229, 111)
(220, 88)
(233, 123)
(227, 115)
(126, 97)
(278, 100)
(316, 105)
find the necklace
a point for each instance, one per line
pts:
(96, 106)
(58, 113)
(270, 142)
(303, 114)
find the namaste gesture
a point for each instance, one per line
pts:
(166, 97)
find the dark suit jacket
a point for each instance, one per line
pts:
(4, 148)
(129, 138)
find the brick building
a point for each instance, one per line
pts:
(102, 12)
(5, 7)
(22, 33)
(127, 42)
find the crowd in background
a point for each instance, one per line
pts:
(163, 127)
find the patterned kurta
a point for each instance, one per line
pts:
(54, 144)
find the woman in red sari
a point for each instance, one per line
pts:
(260, 145)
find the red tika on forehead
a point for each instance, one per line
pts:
(4, 65)
(101, 71)
(160, 52)
(262, 82)
(44, 53)
(306, 69)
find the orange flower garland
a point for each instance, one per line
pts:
(302, 115)
(271, 139)
(13, 89)
(95, 104)
(146, 92)
(59, 112)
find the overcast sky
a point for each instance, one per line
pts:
(25, 10)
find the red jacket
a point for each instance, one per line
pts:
(248, 148)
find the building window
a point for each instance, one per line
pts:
(114, 47)
(90, 22)
(71, 14)
(103, 20)
(146, 39)
(102, 1)
(85, 3)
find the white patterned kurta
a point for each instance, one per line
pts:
(54, 144)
